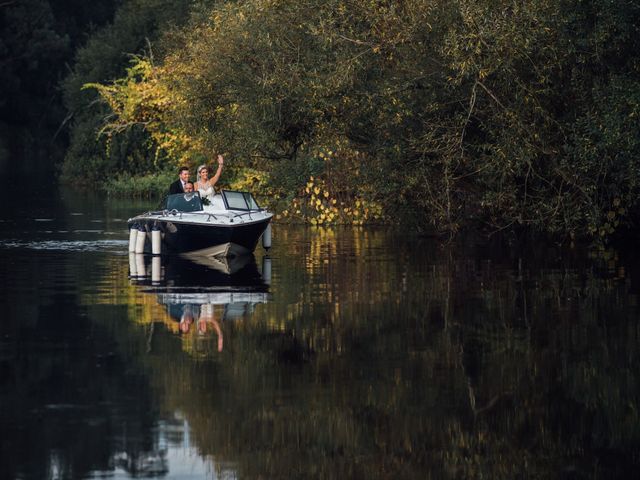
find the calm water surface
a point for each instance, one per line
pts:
(346, 353)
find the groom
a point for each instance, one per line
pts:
(178, 185)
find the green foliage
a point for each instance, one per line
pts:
(319, 205)
(147, 186)
(498, 115)
(603, 155)
(106, 56)
(140, 103)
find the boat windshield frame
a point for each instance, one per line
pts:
(239, 200)
(183, 202)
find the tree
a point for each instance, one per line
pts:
(494, 115)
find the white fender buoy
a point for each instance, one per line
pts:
(142, 271)
(133, 268)
(266, 238)
(266, 269)
(133, 234)
(140, 239)
(156, 270)
(156, 240)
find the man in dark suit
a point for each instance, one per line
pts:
(178, 185)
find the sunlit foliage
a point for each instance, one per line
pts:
(105, 57)
(499, 115)
(140, 99)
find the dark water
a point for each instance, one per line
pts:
(346, 353)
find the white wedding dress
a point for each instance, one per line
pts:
(215, 202)
(207, 193)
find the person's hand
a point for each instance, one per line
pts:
(220, 160)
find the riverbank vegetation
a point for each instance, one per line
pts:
(493, 115)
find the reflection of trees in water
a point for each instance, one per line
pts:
(368, 362)
(443, 363)
(431, 365)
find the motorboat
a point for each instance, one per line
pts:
(230, 224)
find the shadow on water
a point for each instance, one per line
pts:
(351, 353)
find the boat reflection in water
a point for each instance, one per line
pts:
(201, 293)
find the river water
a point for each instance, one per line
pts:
(342, 353)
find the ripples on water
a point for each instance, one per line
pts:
(117, 246)
(345, 353)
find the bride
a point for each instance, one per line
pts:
(204, 184)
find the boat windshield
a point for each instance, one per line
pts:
(239, 200)
(183, 202)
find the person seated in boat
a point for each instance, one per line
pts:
(186, 201)
(189, 197)
(179, 184)
(204, 184)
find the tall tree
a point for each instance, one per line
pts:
(491, 114)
